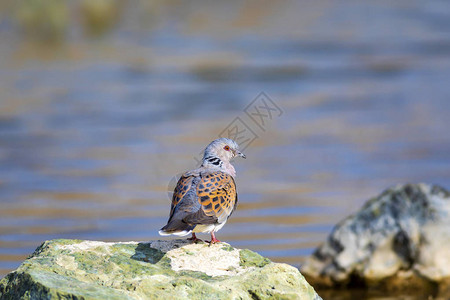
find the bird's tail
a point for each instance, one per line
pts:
(178, 233)
(176, 228)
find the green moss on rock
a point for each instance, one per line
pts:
(252, 259)
(177, 269)
(227, 248)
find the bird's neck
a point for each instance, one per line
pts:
(216, 163)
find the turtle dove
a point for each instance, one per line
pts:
(205, 198)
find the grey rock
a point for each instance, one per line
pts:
(399, 240)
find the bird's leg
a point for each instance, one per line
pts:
(213, 239)
(194, 238)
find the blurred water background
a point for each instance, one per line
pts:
(103, 102)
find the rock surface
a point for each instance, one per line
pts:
(399, 240)
(176, 269)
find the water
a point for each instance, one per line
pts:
(92, 132)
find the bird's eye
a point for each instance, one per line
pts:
(227, 148)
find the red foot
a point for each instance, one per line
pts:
(194, 238)
(213, 239)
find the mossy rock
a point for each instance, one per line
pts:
(176, 269)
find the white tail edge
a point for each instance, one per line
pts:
(179, 233)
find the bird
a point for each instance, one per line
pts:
(205, 198)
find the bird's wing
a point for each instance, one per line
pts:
(216, 193)
(184, 204)
(183, 186)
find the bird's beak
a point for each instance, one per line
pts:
(241, 154)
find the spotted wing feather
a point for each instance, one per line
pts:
(183, 186)
(184, 205)
(216, 193)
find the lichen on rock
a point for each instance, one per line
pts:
(399, 240)
(176, 269)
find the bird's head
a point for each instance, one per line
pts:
(224, 149)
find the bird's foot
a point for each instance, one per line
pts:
(194, 239)
(213, 239)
